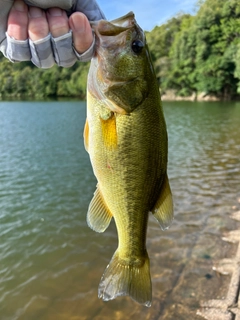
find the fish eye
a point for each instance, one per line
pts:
(137, 46)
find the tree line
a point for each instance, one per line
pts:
(191, 54)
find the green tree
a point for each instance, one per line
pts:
(191, 54)
(7, 86)
(160, 40)
(203, 51)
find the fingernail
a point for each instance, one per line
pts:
(35, 12)
(55, 12)
(19, 6)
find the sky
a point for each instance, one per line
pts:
(148, 13)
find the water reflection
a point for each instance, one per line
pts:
(51, 262)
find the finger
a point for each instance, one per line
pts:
(18, 21)
(40, 39)
(41, 52)
(58, 22)
(38, 25)
(63, 51)
(61, 37)
(82, 32)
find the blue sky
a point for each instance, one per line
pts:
(149, 13)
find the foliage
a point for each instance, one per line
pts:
(191, 54)
(205, 51)
(25, 80)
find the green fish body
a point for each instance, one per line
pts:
(126, 137)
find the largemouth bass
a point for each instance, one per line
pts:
(126, 138)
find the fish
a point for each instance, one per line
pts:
(126, 137)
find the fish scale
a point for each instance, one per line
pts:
(126, 138)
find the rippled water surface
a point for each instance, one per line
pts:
(51, 262)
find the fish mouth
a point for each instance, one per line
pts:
(114, 27)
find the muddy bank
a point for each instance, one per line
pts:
(170, 95)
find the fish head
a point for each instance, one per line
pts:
(121, 67)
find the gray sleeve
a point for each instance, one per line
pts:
(87, 55)
(90, 8)
(17, 50)
(41, 52)
(5, 6)
(67, 5)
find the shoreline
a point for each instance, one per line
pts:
(167, 96)
(170, 95)
(227, 308)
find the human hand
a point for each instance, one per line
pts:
(46, 37)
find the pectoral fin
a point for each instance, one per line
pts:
(109, 129)
(163, 209)
(98, 216)
(86, 134)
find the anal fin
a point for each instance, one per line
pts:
(163, 209)
(98, 216)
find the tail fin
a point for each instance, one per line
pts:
(123, 278)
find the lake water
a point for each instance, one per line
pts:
(51, 262)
